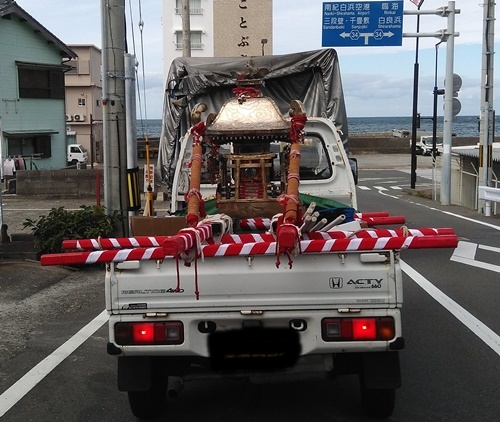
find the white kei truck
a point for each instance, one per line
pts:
(248, 292)
(76, 154)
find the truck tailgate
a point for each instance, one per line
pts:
(350, 279)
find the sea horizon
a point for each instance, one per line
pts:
(462, 126)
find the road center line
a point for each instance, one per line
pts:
(487, 335)
(24, 385)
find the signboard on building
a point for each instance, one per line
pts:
(362, 24)
(242, 28)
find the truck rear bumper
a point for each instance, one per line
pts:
(197, 328)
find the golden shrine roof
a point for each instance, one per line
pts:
(242, 119)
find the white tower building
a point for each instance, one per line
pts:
(221, 28)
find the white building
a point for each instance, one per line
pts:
(220, 28)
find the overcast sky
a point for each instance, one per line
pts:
(378, 81)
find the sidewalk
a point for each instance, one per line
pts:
(15, 211)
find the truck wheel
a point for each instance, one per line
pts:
(378, 403)
(148, 404)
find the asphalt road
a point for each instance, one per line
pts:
(450, 364)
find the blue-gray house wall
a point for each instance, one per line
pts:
(28, 121)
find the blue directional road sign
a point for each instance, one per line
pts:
(362, 23)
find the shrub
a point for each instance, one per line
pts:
(59, 224)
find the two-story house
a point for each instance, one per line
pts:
(32, 91)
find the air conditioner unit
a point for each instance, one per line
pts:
(79, 117)
(69, 118)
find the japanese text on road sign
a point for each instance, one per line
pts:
(362, 23)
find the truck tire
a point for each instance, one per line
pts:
(378, 402)
(148, 404)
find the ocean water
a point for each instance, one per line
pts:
(461, 126)
(150, 127)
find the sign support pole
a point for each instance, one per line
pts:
(448, 109)
(414, 124)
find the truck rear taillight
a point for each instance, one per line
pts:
(149, 333)
(358, 329)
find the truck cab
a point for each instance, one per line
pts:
(77, 153)
(424, 145)
(322, 171)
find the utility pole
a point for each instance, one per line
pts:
(186, 29)
(134, 200)
(113, 101)
(448, 106)
(486, 131)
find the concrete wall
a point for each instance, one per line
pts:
(77, 183)
(359, 144)
(59, 183)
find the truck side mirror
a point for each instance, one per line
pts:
(353, 162)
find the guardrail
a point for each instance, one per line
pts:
(489, 194)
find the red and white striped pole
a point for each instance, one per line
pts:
(257, 248)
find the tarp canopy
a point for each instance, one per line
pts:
(312, 77)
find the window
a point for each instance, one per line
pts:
(39, 145)
(40, 81)
(81, 102)
(314, 162)
(194, 7)
(196, 43)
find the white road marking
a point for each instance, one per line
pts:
(465, 253)
(489, 248)
(380, 188)
(24, 385)
(487, 335)
(491, 226)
